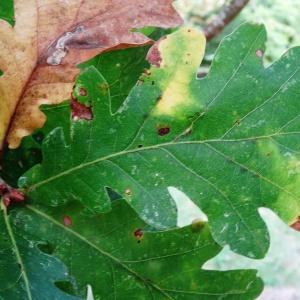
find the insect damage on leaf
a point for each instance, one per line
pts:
(183, 132)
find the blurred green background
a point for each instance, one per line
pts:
(281, 268)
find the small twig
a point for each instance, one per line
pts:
(224, 17)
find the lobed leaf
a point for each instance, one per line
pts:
(27, 272)
(230, 141)
(120, 258)
(121, 68)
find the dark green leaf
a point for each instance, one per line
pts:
(26, 272)
(120, 259)
(230, 141)
(121, 69)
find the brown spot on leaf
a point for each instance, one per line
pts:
(138, 234)
(80, 111)
(82, 92)
(67, 221)
(163, 130)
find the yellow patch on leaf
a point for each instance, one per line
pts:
(189, 46)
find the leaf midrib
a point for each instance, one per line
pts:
(104, 253)
(147, 283)
(157, 147)
(16, 251)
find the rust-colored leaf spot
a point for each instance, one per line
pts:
(163, 130)
(67, 221)
(259, 53)
(80, 111)
(138, 234)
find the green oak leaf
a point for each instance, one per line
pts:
(116, 255)
(7, 12)
(27, 272)
(121, 68)
(230, 141)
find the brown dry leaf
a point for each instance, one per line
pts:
(39, 55)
